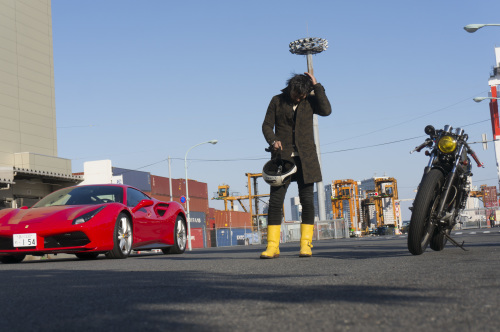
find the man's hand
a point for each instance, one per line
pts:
(277, 145)
(313, 79)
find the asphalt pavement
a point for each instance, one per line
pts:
(359, 284)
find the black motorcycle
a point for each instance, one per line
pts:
(443, 190)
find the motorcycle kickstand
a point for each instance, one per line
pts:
(455, 243)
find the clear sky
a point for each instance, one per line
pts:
(139, 81)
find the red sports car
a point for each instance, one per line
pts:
(91, 220)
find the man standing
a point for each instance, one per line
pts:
(288, 128)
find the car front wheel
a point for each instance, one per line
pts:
(122, 238)
(180, 238)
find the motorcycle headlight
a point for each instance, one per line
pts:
(87, 216)
(447, 144)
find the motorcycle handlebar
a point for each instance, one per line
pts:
(476, 159)
(421, 146)
(473, 154)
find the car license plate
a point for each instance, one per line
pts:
(25, 240)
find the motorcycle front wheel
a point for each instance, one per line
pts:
(426, 202)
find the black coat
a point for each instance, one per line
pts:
(280, 124)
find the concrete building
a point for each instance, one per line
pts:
(29, 165)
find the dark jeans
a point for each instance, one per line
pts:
(306, 195)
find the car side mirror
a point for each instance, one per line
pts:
(143, 203)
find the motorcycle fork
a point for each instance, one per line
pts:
(429, 166)
(446, 190)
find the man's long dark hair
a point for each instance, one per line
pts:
(300, 84)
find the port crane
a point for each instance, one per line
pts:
(253, 197)
(346, 192)
(386, 192)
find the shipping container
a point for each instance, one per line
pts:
(138, 179)
(208, 238)
(231, 237)
(211, 218)
(160, 185)
(197, 238)
(196, 189)
(232, 219)
(197, 219)
(197, 204)
(490, 196)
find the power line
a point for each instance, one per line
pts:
(329, 152)
(406, 121)
(371, 146)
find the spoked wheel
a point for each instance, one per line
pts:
(180, 238)
(426, 203)
(122, 238)
(12, 259)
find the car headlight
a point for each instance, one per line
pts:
(87, 216)
(447, 144)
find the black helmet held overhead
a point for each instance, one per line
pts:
(278, 172)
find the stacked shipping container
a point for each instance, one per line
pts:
(232, 219)
(198, 192)
(198, 203)
(490, 200)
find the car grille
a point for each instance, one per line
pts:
(75, 239)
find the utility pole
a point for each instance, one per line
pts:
(308, 47)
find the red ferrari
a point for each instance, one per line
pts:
(91, 220)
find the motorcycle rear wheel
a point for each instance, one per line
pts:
(421, 228)
(438, 240)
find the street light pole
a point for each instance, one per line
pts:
(474, 27)
(214, 141)
(308, 47)
(480, 99)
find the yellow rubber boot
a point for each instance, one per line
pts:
(273, 242)
(306, 236)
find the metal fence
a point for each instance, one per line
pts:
(290, 232)
(332, 229)
(479, 218)
(323, 230)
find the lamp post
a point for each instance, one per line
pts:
(214, 141)
(308, 47)
(474, 27)
(480, 99)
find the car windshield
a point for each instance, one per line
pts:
(86, 195)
